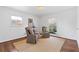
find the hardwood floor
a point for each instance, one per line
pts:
(68, 46)
(8, 46)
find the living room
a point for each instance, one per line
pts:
(60, 21)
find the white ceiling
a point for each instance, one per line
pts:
(45, 9)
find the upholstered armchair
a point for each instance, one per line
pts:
(31, 37)
(45, 33)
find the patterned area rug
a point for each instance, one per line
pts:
(51, 44)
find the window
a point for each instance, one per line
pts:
(16, 18)
(52, 25)
(52, 20)
(16, 21)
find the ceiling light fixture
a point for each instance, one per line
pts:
(40, 8)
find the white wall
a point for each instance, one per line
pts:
(6, 30)
(77, 28)
(65, 21)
